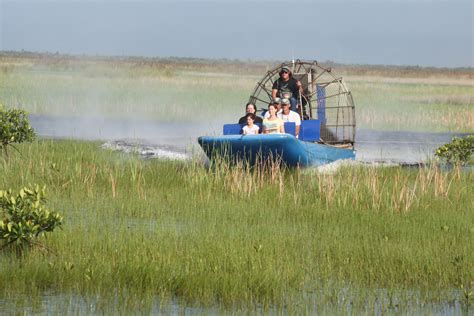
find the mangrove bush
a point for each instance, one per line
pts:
(25, 218)
(14, 128)
(458, 151)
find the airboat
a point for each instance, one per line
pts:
(327, 131)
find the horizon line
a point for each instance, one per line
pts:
(239, 60)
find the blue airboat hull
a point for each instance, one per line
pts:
(293, 152)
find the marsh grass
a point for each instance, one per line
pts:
(386, 98)
(236, 237)
(417, 106)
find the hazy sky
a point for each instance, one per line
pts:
(418, 32)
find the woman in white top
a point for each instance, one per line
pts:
(250, 128)
(273, 124)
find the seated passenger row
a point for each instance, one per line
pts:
(277, 120)
(278, 113)
(310, 129)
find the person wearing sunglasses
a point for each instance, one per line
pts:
(287, 87)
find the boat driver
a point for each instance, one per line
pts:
(287, 86)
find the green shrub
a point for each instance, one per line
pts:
(25, 218)
(458, 151)
(14, 128)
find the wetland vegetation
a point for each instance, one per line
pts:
(163, 90)
(140, 231)
(135, 230)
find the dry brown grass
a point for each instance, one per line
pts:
(389, 77)
(16, 59)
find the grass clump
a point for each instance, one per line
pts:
(235, 237)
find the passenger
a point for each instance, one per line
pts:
(251, 128)
(273, 124)
(250, 108)
(287, 85)
(288, 115)
(277, 103)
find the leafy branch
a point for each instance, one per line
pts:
(26, 218)
(14, 128)
(458, 151)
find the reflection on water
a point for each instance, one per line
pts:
(341, 301)
(400, 147)
(71, 304)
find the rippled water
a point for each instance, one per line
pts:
(50, 303)
(71, 304)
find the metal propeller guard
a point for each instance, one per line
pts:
(325, 97)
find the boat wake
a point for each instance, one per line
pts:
(146, 150)
(149, 150)
(374, 148)
(333, 167)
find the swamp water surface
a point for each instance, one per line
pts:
(175, 140)
(383, 304)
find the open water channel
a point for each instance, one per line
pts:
(179, 140)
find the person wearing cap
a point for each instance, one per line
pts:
(288, 115)
(287, 87)
(250, 108)
(277, 103)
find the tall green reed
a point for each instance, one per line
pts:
(235, 235)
